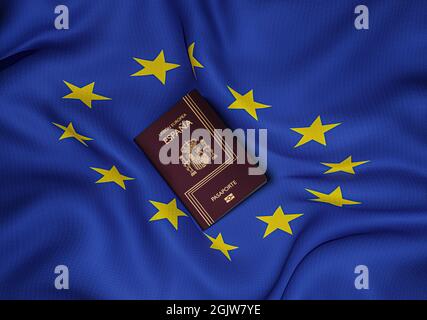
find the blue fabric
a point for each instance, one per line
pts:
(305, 58)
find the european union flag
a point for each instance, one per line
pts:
(339, 86)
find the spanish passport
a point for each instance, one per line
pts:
(204, 168)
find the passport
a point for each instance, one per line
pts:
(209, 189)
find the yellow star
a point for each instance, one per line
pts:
(167, 211)
(194, 62)
(84, 94)
(279, 220)
(70, 132)
(112, 175)
(335, 197)
(219, 244)
(316, 131)
(346, 165)
(157, 67)
(246, 102)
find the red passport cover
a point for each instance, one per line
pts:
(209, 190)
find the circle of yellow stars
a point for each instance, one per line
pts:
(158, 68)
(316, 132)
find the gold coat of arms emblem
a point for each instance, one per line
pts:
(196, 154)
